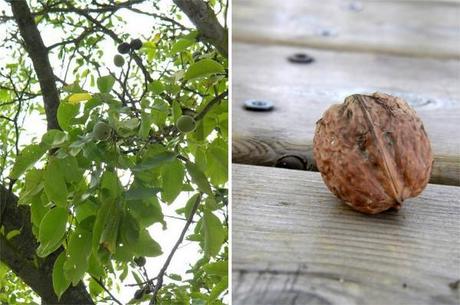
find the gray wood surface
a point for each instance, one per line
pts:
(301, 93)
(415, 28)
(295, 243)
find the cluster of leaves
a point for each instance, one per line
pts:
(13, 290)
(94, 193)
(77, 199)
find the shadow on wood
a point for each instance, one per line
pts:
(273, 152)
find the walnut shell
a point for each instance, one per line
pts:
(373, 152)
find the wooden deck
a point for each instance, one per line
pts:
(293, 241)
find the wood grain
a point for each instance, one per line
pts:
(295, 243)
(301, 93)
(278, 153)
(415, 28)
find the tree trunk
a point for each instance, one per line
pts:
(206, 22)
(18, 254)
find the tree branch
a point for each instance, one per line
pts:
(206, 22)
(106, 290)
(162, 272)
(39, 55)
(18, 254)
(115, 38)
(209, 105)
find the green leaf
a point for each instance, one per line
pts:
(94, 288)
(211, 203)
(160, 111)
(37, 210)
(137, 278)
(111, 228)
(173, 175)
(218, 268)
(69, 167)
(156, 87)
(175, 277)
(12, 234)
(190, 204)
(32, 186)
(110, 185)
(95, 267)
(140, 193)
(60, 283)
(26, 159)
(99, 224)
(177, 110)
(213, 232)
(218, 289)
(155, 161)
(105, 83)
(51, 231)
(147, 211)
(66, 113)
(55, 186)
(217, 168)
(85, 209)
(129, 236)
(199, 178)
(146, 124)
(181, 45)
(54, 138)
(204, 67)
(77, 98)
(78, 252)
(129, 228)
(146, 246)
(200, 158)
(130, 124)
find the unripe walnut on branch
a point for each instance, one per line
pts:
(373, 152)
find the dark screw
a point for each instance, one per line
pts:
(291, 162)
(258, 105)
(327, 32)
(301, 58)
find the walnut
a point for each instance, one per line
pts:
(373, 152)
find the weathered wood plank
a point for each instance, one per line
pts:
(301, 93)
(295, 243)
(415, 28)
(278, 153)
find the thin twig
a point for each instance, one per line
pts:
(106, 290)
(162, 272)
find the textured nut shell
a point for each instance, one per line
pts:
(373, 152)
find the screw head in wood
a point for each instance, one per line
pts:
(301, 58)
(258, 105)
(291, 162)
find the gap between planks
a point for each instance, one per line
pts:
(266, 151)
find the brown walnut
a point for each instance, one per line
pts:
(373, 152)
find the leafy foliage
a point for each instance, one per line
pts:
(95, 197)
(13, 290)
